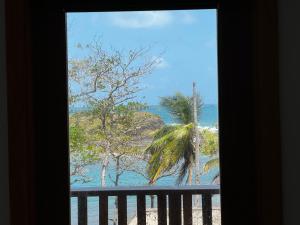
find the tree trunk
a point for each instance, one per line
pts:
(103, 171)
(106, 158)
(190, 176)
(152, 197)
(103, 122)
(116, 183)
(196, 143)
(152, 201)
(196, 136)
(117, 171)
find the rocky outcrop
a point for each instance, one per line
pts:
(148, 121)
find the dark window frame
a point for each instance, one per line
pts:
(248, 83)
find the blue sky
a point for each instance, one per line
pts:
(185, 41)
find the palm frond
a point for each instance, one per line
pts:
(216, 178)
(212, 163)
(165, 130)
(188, 161)
(180, 107)
(170, 145)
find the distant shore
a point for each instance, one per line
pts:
(207, 118)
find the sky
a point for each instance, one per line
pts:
(185, 42)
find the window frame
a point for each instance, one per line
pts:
(248, 78)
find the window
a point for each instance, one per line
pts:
(143, 111)
(39, 63)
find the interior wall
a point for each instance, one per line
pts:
(289, 47)
(4, 202)
(289, 57)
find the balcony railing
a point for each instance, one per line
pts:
(176, 203)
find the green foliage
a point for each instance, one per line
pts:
(210, 147)
(210, 164)
(77, 137)
(81, 153)
(109, 81)
(209, 142)
(165, 130)
(125, 132)
(181, 107)
(171, 145)
(80, 146)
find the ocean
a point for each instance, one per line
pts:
(207, 118)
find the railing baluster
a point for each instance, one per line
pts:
(103, 210)
(188, 209)
(141, 209)
(162, 209)
(170, 198)
(122, 210)
(175, 209)
(82, 210)
(206, 209)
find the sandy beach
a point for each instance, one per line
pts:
(151, 217)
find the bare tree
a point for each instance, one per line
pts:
(105, 80)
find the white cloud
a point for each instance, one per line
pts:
(150, 19)
(188, 18)
(142, 19)
(161, 62)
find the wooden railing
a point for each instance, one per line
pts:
(176, 198)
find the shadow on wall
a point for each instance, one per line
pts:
(289, 55)
(4, 204)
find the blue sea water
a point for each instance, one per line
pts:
(208, 118)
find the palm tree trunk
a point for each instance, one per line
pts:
(152, 201)
(196, 136)
(196, 143)
(190, 176)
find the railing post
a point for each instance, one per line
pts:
(103, 210)
(206, 209)
(162, 209)
(175, 208)
(82, 210)
(188, 209)
(141, 209)
(166, 198)
(122, 210)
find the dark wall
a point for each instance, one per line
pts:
(289, 56)
(4, 206)
(289, 45)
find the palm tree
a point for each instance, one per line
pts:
(176, 144)
(210, 164)
(210, 147)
